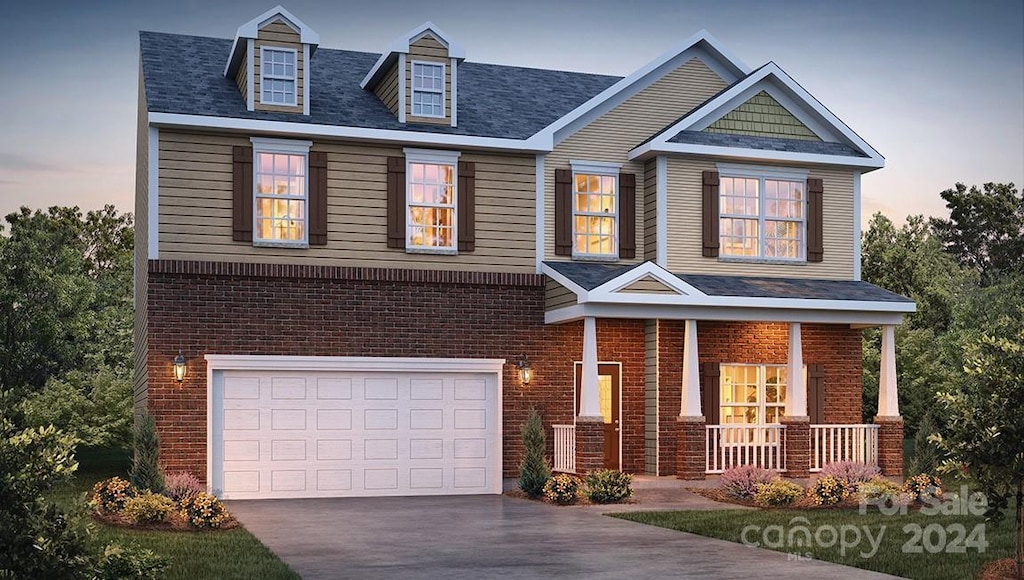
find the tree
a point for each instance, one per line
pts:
(983, 432)
(145, 473)
(985, 229)
(94, 407)
(534, 471)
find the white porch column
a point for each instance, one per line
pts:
(796, 392)
(888, 397)
(690, 406)
(590, 402)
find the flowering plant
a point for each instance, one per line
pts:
(562, 489)
(111, 495)
(202, 510)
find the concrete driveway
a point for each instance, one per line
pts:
(496, 536)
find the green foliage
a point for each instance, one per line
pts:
(148, 508)
(608, 486)
(829, 490)
(563, 489)
(95, 407)
(985, 229)
(534, 470)
(923, 486)
(112, 495)
(927, 455)
(119, 562)
(880, 489)
(202, 510)
(145, 473)
(778, 492)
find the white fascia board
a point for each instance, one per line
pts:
(339, 132)
(539, 212)
(297, 146)
(652, 148)
(857, 318)
(609, 290)
(752, 302)
(153, 185)
(746, 170)
(350, 364)
(711, 47)
(579, 291)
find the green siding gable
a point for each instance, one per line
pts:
(762, 116)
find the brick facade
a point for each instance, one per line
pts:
(589, 445)
(691, 448)
(798, 447)
(890, 445)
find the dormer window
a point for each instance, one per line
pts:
(428, 89)
(277, 76)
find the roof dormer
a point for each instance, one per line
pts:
(417, 78)
(270, 62)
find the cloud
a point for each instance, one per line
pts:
(24, 163)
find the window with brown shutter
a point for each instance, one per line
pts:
(627, 215)
(242, 194)
(816, 393)
(396, 202)
(710, 214)
(467, 206)
(815, 239)
(318, 198)
(710, 392)
(563, 212)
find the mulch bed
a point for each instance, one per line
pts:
(174, 523)
(518, 494)
(800, 503)
(1005, 569)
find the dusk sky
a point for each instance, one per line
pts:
(936, 87)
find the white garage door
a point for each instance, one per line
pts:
(281, 434)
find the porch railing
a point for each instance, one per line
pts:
(735, 445)
(832, 443)
(565, 448)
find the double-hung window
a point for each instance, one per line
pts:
(763, 216)
(752, 394)
(277, 76)
(431, 201)
(281, 190)
(428, 89)
(595, 211)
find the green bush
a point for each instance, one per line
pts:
(534, 470)
(880, 489)
(202, 510)
(829, 490)
(927, 455)
(145, 473)
(778, 492)
(118, 562)
(608, 486)
(111, 495)
(147, 508)
(563, 489)
(923, 486)
(95, 407)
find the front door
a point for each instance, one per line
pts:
(609, 385)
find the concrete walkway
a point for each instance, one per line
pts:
(496, 536)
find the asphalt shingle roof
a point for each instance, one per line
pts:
(185, 75)
(767, 143)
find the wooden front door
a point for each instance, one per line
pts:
(609, 383)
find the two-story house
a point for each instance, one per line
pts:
(357, 274)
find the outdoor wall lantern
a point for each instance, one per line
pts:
(180, 368)
(525, 370)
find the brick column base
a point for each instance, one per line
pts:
(890, 445)
(691, 447)
(798, 446)
(589, 444)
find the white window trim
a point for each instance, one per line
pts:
(596, 168)
(442, 92)
(284, 147)
(294, 79)
(762, 173)
(433, 157)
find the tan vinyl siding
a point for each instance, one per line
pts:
(762, 116)
(649, 201)
(242, 78)
(277, 34)
(196, 198)
(387, 89)
(648, 285)
(428, 49)
(557, 296)
(611, 137)
(651, 397)
(141, 259)
(684, 226)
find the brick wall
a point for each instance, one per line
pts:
(202, 308)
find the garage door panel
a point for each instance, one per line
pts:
(287, 388)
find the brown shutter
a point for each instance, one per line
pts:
(816, 393)
(318, 198)
(627, 215)
(710, 203)
(815, 241)
(467, 206)
(242, 191)
(563, 212)
(710, 392)
(396, 202)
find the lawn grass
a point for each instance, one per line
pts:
(890, 557)
(218, 554)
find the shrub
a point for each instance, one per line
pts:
(829, 490)
(180, 485)
(147, 508)
(923, 486)
(202, 510)
(852, 473)
(608, 486)
(741, 482)
(563, 489)
(93, 406)
(534, 471)
(778, 492)
(130, 561)
(111, 495)
(880, 489)
(145, 472)
(926, 457)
